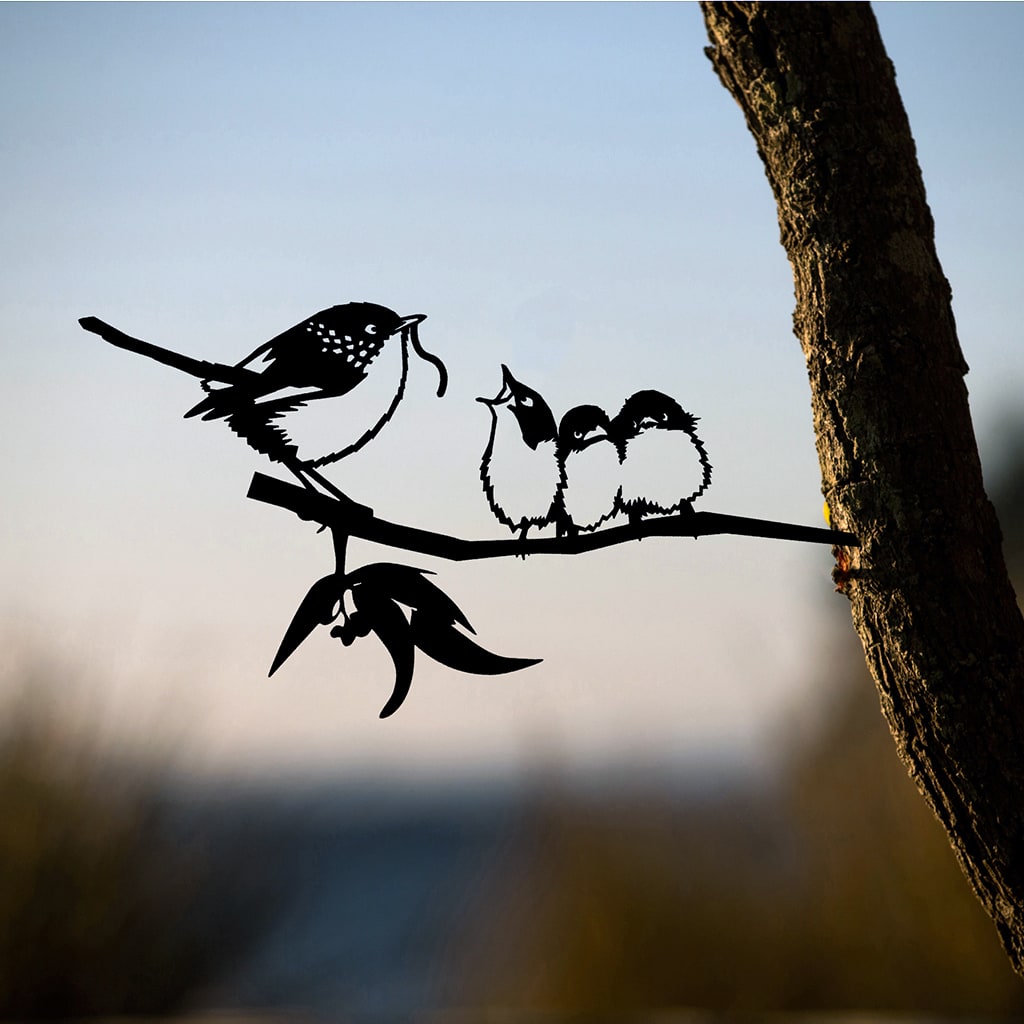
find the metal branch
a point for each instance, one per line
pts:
(359, 521)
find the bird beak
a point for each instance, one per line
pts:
(507, 380)
(599, 435)
(409, 321)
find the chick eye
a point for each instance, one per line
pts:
(526, 401)
(579, 433)
(371, 328)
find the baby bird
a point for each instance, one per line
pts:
(664, 464)
(519, 469)
(589, 465)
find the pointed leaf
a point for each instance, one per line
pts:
(316, 609)
(410, 587)
(446, 644)
(388, 621)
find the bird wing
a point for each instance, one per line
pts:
(290, 395)
(264, 348)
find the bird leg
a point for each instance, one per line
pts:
(306, 476)
(566, 528)
(300, 473)
(525, 528)
(309, 477)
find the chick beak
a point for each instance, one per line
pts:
(505, 394)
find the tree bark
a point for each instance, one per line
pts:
(930, 596)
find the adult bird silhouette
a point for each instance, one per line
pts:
(295, 376)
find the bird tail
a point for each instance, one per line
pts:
(196, 367)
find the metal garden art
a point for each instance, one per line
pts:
(642, 466)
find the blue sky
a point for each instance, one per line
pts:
(565, 188)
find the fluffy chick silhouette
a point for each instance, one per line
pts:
(664, 466)
(589, 466)
(519, 468)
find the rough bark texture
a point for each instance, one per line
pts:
(931, 600)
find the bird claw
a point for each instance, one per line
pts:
(521, 540)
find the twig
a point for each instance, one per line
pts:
(307, 504)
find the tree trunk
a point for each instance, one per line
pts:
(931, 599)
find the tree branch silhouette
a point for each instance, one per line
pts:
(359, 521)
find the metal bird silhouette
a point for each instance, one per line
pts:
(589, 464)
(646, 460)
(664, 465)
(294, 377)
(519, 468)
(576, 474)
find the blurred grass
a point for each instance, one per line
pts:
(107, 907)
(835, 889)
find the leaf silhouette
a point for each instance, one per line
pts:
(408, 586)
(447, 645)
(317, 608)
(379, 592)
(388, 621)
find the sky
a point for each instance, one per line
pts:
(564, 188)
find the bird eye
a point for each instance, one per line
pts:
(371, 328)
(526, 401)
(579, 433)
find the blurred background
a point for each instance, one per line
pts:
(693, 801)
